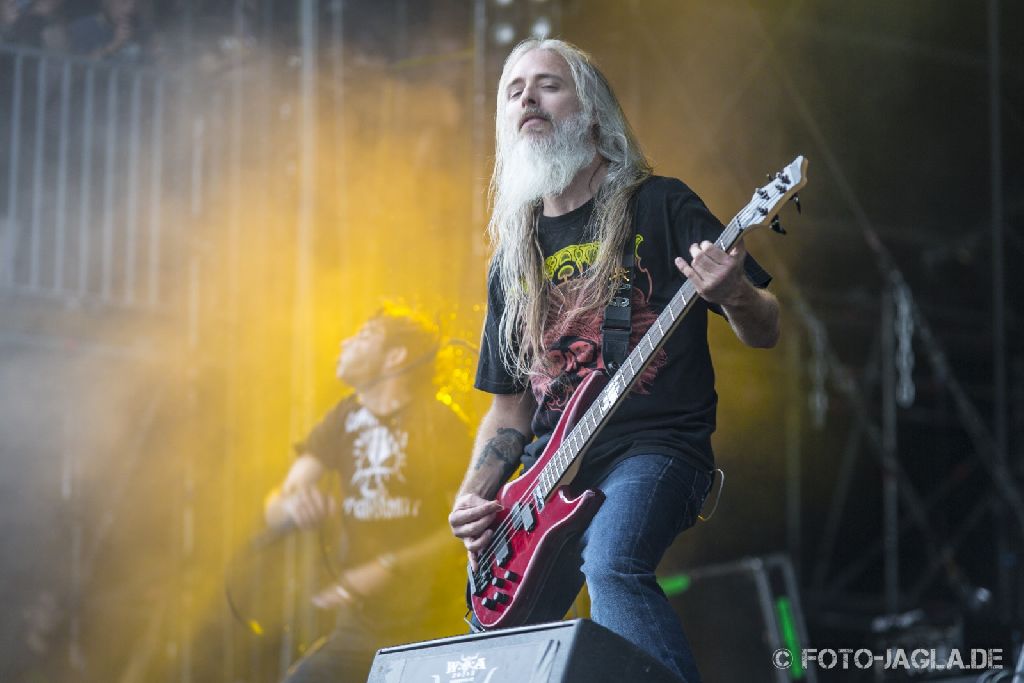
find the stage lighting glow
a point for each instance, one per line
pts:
(504, 34)
(541, 28)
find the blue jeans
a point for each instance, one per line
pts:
(650, 499)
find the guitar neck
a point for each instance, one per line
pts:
(609, 399)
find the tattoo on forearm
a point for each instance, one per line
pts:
(505, 448)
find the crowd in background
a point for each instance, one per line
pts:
(92, 28)
(137, 31)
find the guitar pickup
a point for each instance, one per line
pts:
(516, 515)
(526, 518)
(503, 554)
(523, 517)
(538, 499)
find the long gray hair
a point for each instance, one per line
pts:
(518, 261)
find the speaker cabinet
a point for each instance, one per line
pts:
(738, 615)
(559, 652)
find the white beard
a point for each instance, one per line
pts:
(535, 166)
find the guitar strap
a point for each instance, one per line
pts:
(618, 314)
(618, 325)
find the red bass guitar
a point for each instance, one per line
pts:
(540, 513)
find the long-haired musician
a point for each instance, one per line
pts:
(392, 445)
(571, 190)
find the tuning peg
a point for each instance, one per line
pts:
(796, 200)
(777, 226)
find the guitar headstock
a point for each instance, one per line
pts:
(765, 204)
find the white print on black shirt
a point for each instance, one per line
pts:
(380, 459)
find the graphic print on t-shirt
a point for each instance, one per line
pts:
(572, 343)
(570, 261)
(379, 456)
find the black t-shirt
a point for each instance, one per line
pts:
(399, 476)
(671, 409)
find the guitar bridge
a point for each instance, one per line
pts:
(478, 582)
